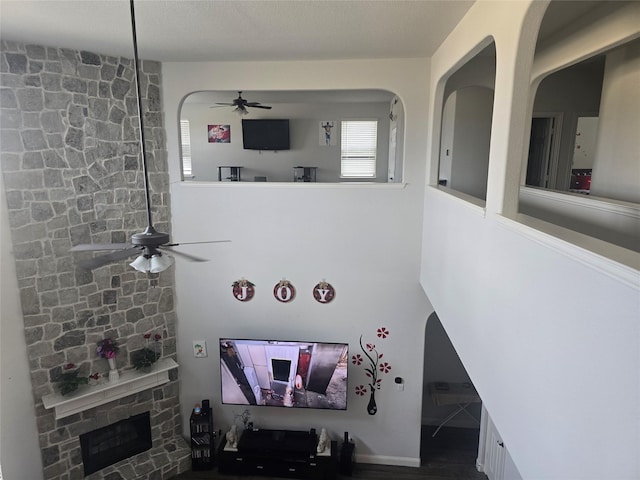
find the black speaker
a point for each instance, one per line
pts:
(205, 406)
(347, 454)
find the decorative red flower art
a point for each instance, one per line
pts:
(372, 369)
(361, 390)
(383, 332)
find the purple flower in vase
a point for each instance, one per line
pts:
(107, 348)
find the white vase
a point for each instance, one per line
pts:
(114, 376)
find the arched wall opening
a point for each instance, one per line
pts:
(446, 427)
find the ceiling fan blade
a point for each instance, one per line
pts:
(260, 106)
(224, 104)
(194, 243)
(96, 247)
(193, 258)
(102, 260)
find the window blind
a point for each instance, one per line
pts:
(359, 140)
(185, 139)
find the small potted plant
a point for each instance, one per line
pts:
(69, 381)
(144, 358)
(108, 348)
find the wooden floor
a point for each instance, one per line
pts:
(451, 455)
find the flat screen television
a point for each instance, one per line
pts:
(284, 373)
(265, 134)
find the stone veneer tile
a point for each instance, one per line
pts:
(70, 163)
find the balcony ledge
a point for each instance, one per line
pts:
(91, 396)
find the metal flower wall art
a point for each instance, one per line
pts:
(373, 369)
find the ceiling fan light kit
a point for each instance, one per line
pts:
(155, 264)
(142, 263)
(159, 263)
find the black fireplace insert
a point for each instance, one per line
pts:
(108, 445)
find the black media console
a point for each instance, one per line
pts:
(279, 453)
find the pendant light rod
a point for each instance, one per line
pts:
(140, 120)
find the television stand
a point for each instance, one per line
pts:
(279, 453)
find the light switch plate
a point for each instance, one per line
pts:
(199, 348)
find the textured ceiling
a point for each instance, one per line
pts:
(243, 30)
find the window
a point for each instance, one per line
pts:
(185, 140)
(358, 148)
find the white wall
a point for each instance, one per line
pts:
(471, 135)
(479, 71)
(616, 172)
(18, 432)
(540, 325)
(304, 120)
(363, 239)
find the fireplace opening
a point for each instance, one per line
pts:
(108, 445)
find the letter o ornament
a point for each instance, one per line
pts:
(284, 291)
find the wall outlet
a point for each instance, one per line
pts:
(199, 348)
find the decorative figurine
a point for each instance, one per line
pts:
(232, 437)
(323, 441)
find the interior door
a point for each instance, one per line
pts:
(393, 135)
(495, 456)
(539, 151)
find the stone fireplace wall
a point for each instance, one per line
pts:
(72, 174)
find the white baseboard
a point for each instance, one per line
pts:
(386, 460)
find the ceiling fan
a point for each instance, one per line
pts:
(241, 105)
(149, 244)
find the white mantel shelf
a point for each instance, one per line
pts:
(91, 396)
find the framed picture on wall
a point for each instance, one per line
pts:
(327, 132)
(219, 133)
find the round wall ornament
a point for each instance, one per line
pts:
(323, 292)
(243, 290)
(284, 291)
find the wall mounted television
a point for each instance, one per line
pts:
(284, 373)
(265, 134)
